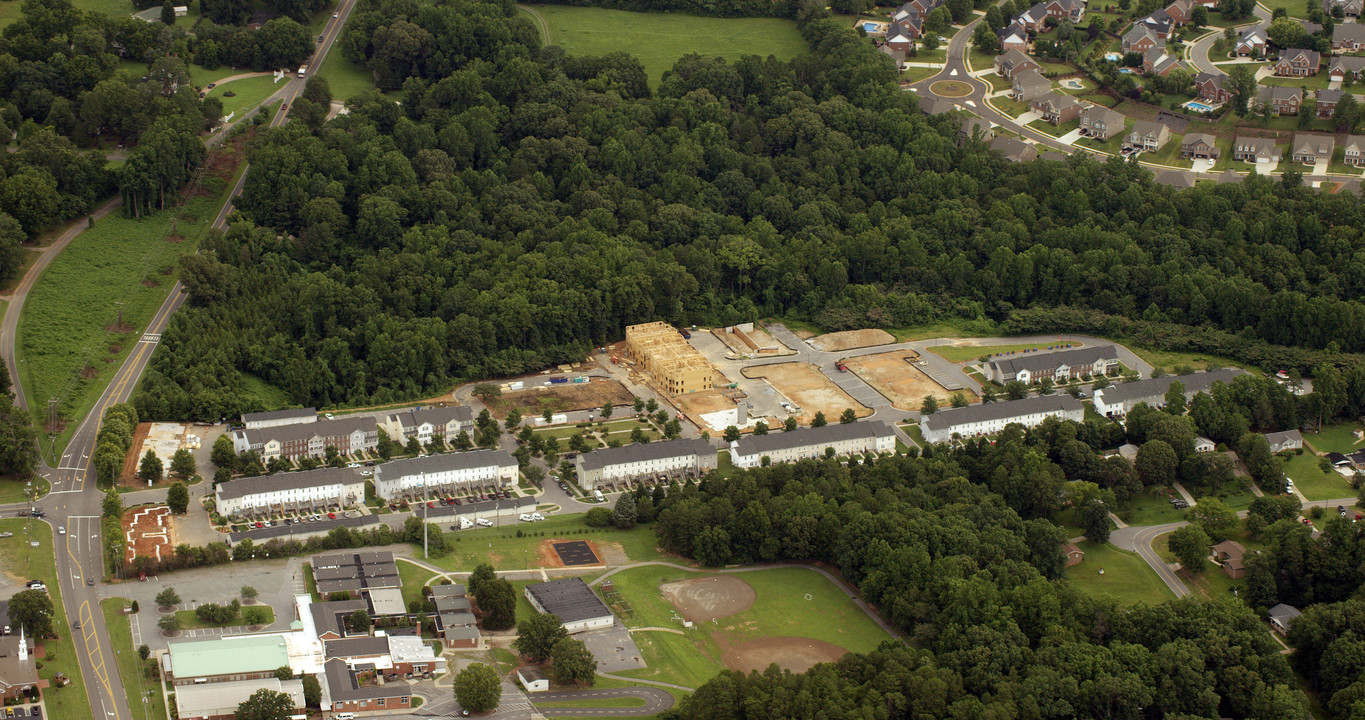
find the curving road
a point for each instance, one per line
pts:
(656, 701)
(1198, 51)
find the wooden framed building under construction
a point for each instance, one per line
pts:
(663, 352)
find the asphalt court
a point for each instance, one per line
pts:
(576, 552)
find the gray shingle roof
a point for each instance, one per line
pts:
(1034, 362)
(807, 437)
(442, 462)
(944, 419)
(1157, 387)
(433, 415)
(242, 487)
(356, 646)
(570, 598)
(598, 459)
(341, 682)
(304, 431)
(1279, 437)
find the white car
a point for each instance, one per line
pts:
(537, 517)
(525, 518)
(329, 416)
(352, 465)
(61, 530)
(336, 15)
(483, 523)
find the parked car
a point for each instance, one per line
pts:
(525, 518)
(537, 517)
(331, 516)
(483, 523)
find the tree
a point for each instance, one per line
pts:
(265, 704)
(985, 40)
(789, 424)
(1156, 463)
(482, 573)
(1190, 545)
(819, 420)
(144, 651)
(760, 428)
(537, 634)
(312, 691)
(1346, 118)
(223, 455)
(623, 516)
(638, 404)
(731, 434)
(1016, 390)
(487, 392)
(607, 410)
(32, 610)
(651, 405)
(573, 663)
(167, 13)
(167, 598)
(249, 593)
(283, 673)
(498, 601)
(149, 470)
(477, 688)
(178, 498)
(1285, 32)
(1200, 16)
(929, 406)
(182, 463)
(358, 621)
(1175, 398)
(113, 504)
(169, 624)
(848, 417)
(1215, 518)
(1242, 83)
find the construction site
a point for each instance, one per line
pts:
(675, 366)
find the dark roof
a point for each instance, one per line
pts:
(464, 632)
(1157, 387)
(944, 419)
(452, 620)
(294, 413)
(341, 682)
(372, 557)
(451, 604)
(356, 647)
(1014, 149)
(242, 487)
(1337, 458)
(303, 431)
(327, 615)
(455, 590)
(1047, 361)
(570, 598)
(433, 415)
(1175, 178)
(839, 432)
(443, 462)
(598, 459)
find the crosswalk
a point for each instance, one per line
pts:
(151, 338)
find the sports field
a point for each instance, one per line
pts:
(659, 39)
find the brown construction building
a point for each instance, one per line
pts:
(666, 356)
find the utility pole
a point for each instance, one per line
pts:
(425, 524)
(119, 303)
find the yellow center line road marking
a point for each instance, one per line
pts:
(96, 653)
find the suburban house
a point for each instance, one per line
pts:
(1348, 36)
(1157, 62)
(1354, 150)
(1211, 88)
(577, 606)
(1160, 23)
(1344, 65)
(291, 442)
(1030, 85)
(18, 668)
(1014, 149)
(1014, 37)
(674, 458)
(1229, 554)
(1181, 11)
(1281, 100)
(974, 128)
(1254, 150)
(901, 36)
(897, 55)
(1199, 145)
(1287, 440)
(1101, 123)
(1057, 366)
(1072, 10)
(275, 418)
(1203, 444)
(991, 418)
(1074, 555)
(1057, 108)
(1033, 18)
(1147, 136)
(1140, 39)
(428, 424)
(1327, 102)
(1011, 62)
(1282, 617)
(282, 492)
(1297, 62)
(1117, 400)
(444, 474)
(1174, 178)
(1311, 149)
(804, 443)
(930, 105)
(1251, 42)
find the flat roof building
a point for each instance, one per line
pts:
(785, 447)
(674, 364)
(576, 605)
(444, 474)
(355, 572)
(991, 418)
(281, 492)
(219, 701)
(672, 457)
(227, 659)
(361, 690)
(1117, 400)
(276, 418)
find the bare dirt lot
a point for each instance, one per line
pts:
(894, 375)
(705, 401)
(796, 654)
(564, 397)
(147, 530)
(850, 339)
(705, 599)
(806, 386)
(760, 338)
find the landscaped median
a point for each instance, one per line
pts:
(190, 619)
(132, 669)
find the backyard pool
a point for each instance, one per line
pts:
(1198, 106)
(1072, 84)
(870, 27)
(1113, 56)
(1126, 71)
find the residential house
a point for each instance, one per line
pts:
(1074, 555)
(897, 55)
(933, 105)
(444, 474)
(1014, 149)
(805, 443)
(1158, 62)
(1254, 150)
(974, 128)
(901, 36)
(1118, 400)
(1298, 62)
(1175, 179)
(1160, 23)
(1282, 617)
(1310, 150)
(1057, 108)
(430, 424)
(1061, 366)
(1354, 150)
(275, 418)
(1033, 19)
(1030, 85)
(1309, 28)
(1287, 440)
(1349, 8)
(1181, 12)
(1012, 62)
(1203, 444)
(1147, 136)
(1140, 39)
(991, 418)
(1281, 100)
(1251, 43)
(1199, 145)
(1072, 10)
(1349, 37)
(1014, 37)
(1228, 554)
(1327, 102)
(309, 490)
(1344, 65)
(1101, 123)
(346, 435)
(1212, 87)
(674, 458)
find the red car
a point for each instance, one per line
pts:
(431, 504)
(331, 516)
(260, 525)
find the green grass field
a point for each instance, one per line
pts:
(1313, 482)
(963, 353)
(246, 93)
(622, 702)
(1334, 438)
(345, 78)
(501, 546)
(1151, 508)
(64, 331)
(135, 682)
(21, 560)
(660, 39)
(413, 578)
(1168, 360)
(190, 621)
(1126, 578)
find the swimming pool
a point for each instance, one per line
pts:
(1198, 106)
(870, 27)
(1113, 56)
(1126, 71)
(1072, 84)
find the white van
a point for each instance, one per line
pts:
(598, 494)
(537, 517)
(525, 518)
(484, 523)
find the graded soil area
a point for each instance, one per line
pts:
(705, 599)
(563, 397)
(850, 339)
(148, 532)
(894, 375)
(806, 386)
(796, 654)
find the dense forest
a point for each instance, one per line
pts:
(521, 206)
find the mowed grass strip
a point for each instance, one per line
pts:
(660, 39)
(246, 93)
(963, 353)
(135, 683)
(501, 547)
(1335, 438)
(21, 560)
(190, 621)
(1126, 579)
(607, 702)
(413, 577)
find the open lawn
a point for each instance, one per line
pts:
(1126, 578)
(413, 578)
(621, 702)
(660, 39)
(1313, 482)
(23, 561)
(963, 353)
(501, 546)
(1335, 438)
(979, 60)
(1048, 128)
(246, 93)
(1151, 508)
(1013, 108)
(1295, 8)
(190, 621)
(130, 667)
(345, 78)
(915, 74)
(68, 345)
(1168, 360)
